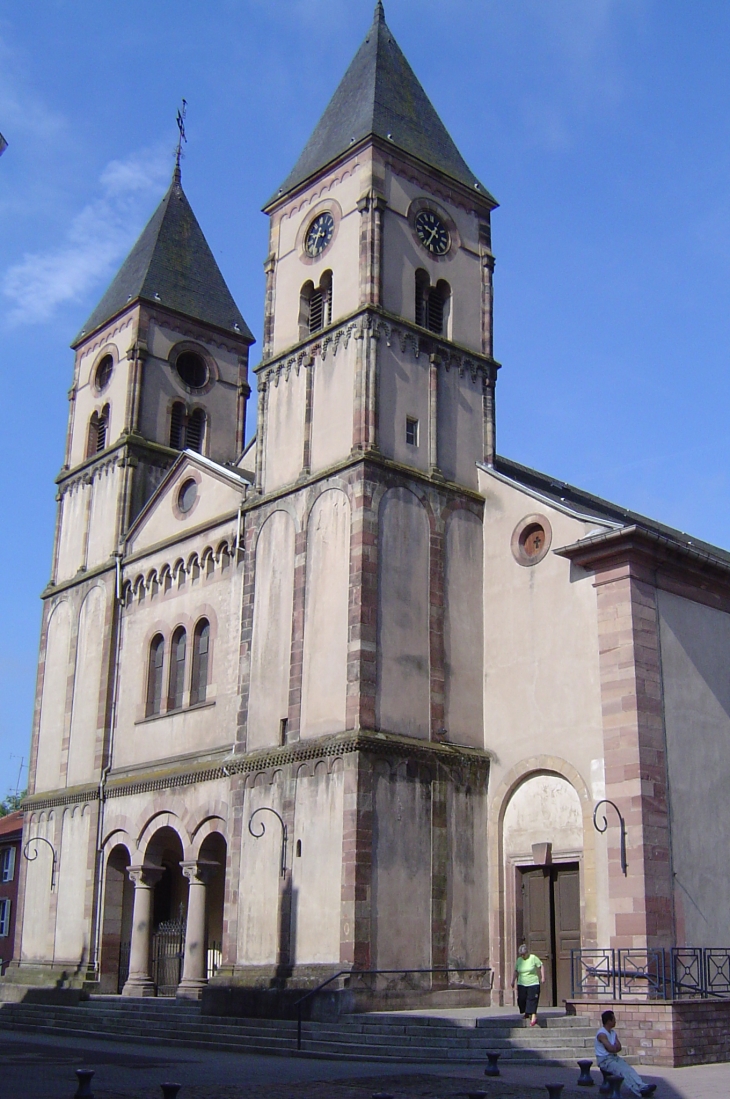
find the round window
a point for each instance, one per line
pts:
(531, 539)
(192, 369)
(103, 374)
(187, 496)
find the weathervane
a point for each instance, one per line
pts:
(181, 137)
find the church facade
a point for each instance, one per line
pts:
(349, 695)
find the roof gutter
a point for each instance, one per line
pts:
(548, 501)
(642, 541)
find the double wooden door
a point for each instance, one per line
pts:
(548, 920)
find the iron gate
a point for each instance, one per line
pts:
(168, 943)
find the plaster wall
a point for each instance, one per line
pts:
(464, 630)
(460, 425)
(38, 914)
(544, 808)
(116, 340)
(467, 889)
(695, 652)
(259, 904)
(403, 381)
(162, 386)
(85, 712)
(317, 873)
(285, 409)
(324, 688)
(341, 189)
(53, 699)
(403, 256)
(272, 631)
(403, 690)
(72, 930)
(332, 406)
(105, 489)
(73, 521)
(401, 889)
(216, 497)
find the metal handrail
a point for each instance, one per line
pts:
(370, 973)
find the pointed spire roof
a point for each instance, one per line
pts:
(381, 96)
(171, 265)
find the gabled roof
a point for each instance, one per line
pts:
(381, 96)
(11, 822)
(171, 265)
(566, 497)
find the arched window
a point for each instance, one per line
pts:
(315, 312)
(432, 303)
(201, 650)
(177, 670)
(187, 429)
(154, 675)
(96, 440)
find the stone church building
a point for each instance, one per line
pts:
(347, 695)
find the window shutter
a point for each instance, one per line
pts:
(195, 431)
(177, 417)
(4, 918)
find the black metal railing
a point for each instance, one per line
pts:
(675, 973)
(168, 952)
(353, 979)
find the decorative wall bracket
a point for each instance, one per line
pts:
(31, 857)
(603, 828)
(258, 835)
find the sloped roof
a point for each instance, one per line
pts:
(563, 495)
(11, 822)
(380, 95)
(171, 265)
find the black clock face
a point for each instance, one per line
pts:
(319, 234)
(432, 233)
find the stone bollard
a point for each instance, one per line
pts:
(554, 1090)
(585, 1080)
(382, 1095)
(169, 1091)
(605, 1088)
(615, 1082)
(492, 1068)
(476, 1095)
(83, 1091)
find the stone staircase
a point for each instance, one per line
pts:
(397, 1037)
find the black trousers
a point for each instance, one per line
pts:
(528, 997)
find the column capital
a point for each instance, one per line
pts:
(200, 870)
(145, 875)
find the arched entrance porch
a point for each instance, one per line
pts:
(116, 930)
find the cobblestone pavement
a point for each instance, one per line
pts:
(42, 1067)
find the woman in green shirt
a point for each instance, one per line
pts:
(529, 976)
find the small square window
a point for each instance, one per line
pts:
(4, 918)
(411, 431)
(7, 864)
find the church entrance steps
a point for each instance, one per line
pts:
(376, 1037)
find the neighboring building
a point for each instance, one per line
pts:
(11, 831)
(429, 661)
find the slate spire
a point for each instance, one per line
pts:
(172, 266)
(380, 96)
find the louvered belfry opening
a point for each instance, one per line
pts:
(96, 441)
(319, 313)
(431, 303)
(187, 429)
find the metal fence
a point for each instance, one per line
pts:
(168, 948)
(680, 972)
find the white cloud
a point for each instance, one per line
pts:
(99, 237)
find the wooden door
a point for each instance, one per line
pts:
(537, 923)
(548, 920)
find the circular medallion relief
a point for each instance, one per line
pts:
(187, 495)
(531, 540)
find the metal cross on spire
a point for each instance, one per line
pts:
(181, 137)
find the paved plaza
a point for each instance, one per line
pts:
(42, 1067)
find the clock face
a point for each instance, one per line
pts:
(432, 233)
(319, 234)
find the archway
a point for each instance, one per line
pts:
(169, 910)
(214, 850)
(116, 930)
(542, 848)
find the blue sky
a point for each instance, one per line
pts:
(600, 125)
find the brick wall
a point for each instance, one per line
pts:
(673, 1033)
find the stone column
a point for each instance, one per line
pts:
(198, 872)
(490, 419)
(433, 416)
(139, 981)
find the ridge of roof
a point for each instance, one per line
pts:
(381, 96)
(595, 507)
(171, 265)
